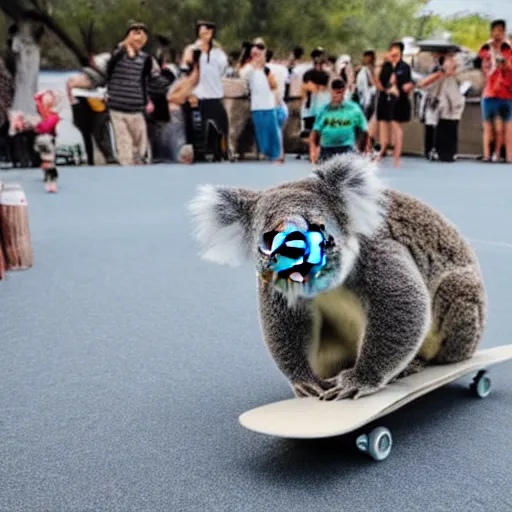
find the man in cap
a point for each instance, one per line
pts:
(338, 126)
(128, 72)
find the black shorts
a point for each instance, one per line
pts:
(327, 153)
(390, 108)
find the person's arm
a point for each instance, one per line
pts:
(188, 56)
(314, 139)
(182, 88)
(363, 142)
(314, 146)
(429, 80)
(407, 81)
(271, 78)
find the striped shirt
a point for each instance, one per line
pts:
(127, 81)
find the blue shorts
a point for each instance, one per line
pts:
(268, 136)
(496, 107)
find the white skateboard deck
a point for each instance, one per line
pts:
(311, 418)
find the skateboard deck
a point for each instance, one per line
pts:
(310, 418)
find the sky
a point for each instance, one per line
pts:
(493, 8)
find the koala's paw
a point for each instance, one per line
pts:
(347, 384)
(314, 389)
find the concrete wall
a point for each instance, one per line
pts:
(242, 135)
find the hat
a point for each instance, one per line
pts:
(338, 84)
(136, 25)
(205, 23)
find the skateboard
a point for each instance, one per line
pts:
(310, 418)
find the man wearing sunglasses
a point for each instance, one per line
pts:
(338, 126)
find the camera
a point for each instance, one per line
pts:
(196, 55)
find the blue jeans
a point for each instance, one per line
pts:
(268, 137)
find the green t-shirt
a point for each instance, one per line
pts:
(337, 124)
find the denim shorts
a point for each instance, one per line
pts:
(496, 107)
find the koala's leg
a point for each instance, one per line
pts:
(398, 319)
(460, 309)
(289, 334)
(415, 366)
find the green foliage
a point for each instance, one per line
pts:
(469, 31)
(340, 26)
(348, 26)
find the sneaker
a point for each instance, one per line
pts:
(51, 187)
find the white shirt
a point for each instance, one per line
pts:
(281, 75)
(262, 96)
(301, 68)
(210, 74)
(364, 88)
(296, 76)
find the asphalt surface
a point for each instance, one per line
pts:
(125, 361)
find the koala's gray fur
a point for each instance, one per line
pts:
(404, 288)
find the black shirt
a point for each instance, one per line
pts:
(402, 70)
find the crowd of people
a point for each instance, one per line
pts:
(138, 106)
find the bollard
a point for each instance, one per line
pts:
(14, 227)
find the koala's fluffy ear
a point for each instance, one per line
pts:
(354, 179)
(223, 220)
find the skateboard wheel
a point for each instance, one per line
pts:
(377, 444)
(482, 384)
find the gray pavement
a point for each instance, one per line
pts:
(125, 361)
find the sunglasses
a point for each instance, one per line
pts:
(207, 26)
(259, 46)
(138, 28)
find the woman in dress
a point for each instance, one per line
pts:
(393, 105)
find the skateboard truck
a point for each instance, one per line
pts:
(378, 443)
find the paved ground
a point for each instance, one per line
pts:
(125, 361)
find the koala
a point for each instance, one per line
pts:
(400, 288)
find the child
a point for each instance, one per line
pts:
(45, 139)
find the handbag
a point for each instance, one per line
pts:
(429, 114)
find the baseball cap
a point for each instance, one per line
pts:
(136, 25)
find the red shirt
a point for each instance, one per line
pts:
(48, 124)
(498, 77)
